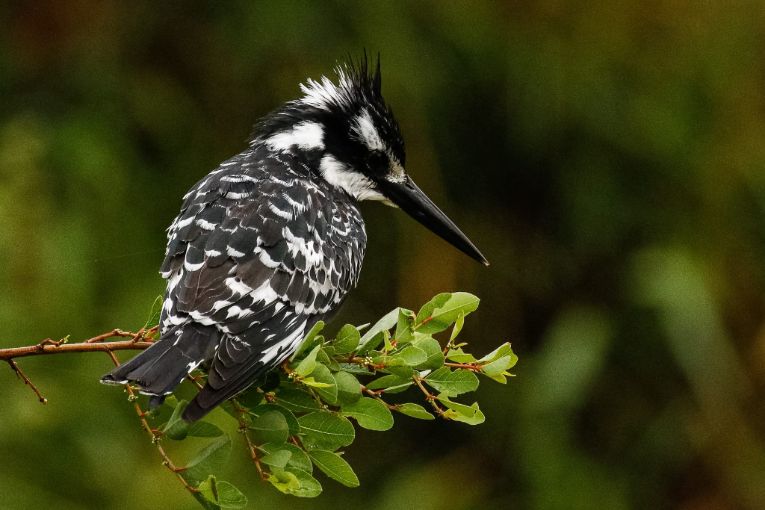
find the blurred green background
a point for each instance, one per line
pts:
(607, 157)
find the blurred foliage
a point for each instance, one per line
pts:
(607, 157)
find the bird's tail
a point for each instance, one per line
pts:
(162, 367)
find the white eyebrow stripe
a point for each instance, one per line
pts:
(365, 127)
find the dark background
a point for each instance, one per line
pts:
(607, 158)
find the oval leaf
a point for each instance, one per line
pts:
(471, 414)
(373, 337)
(307, 364)
(292, 422)
(370, 413)
(324, 384)
(295, 482)
(298, 458)
(335, 467)
(269, 427)
(211, 458)
(434, 355)
(443, 310)
(452, 383)
(348, 388)
(347, 339)
(414, 411)
(326, 430)
(296, 400)
(222, 494)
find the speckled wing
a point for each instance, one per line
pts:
(260, 253)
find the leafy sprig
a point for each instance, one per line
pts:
(300, 423)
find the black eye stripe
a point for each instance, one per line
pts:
(378, 162)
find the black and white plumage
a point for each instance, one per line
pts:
(272, 240)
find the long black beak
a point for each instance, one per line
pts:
(416, 204)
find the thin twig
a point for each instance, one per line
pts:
(155, 438)
(253, 449)
(473, 367)
(375, 394)
(428, 396)
(23, 376)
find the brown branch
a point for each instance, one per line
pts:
(36, 350)
(23, 376)
(138, 341)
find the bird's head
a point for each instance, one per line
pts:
(351, 139)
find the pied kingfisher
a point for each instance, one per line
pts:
(272, 240)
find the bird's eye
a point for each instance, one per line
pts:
(378, 162)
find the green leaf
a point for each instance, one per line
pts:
(307, 364)
(404, 325)
(452, 383)
(322, 429)
(295, 482)
(460, 356)
(498, 366)
(308, 340)
(402, 371)
(325, 358)
(471, 414)
(309, 487)
(503, 350)
(347, 339)
(298, 459)
(176, 427)
(292, 423)
(335, 467)
(210, 459)
(250, 398)
(204, 429)
(457, 327)
(222, 494)
(313, 383)
(395, 364)
(353, 368)
(414, 411)
(348, 388)
(269, 427)
(296, 400)
(432, 349)
(283, 480)
(324, 384)
(390, 383)
(496, 363)
(409, 355)
(443, 310)
(370, 414)
(374, 334)
(278, 458)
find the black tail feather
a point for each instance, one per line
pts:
(161, 367)
(209, 398)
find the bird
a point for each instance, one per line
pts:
(272, 240)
